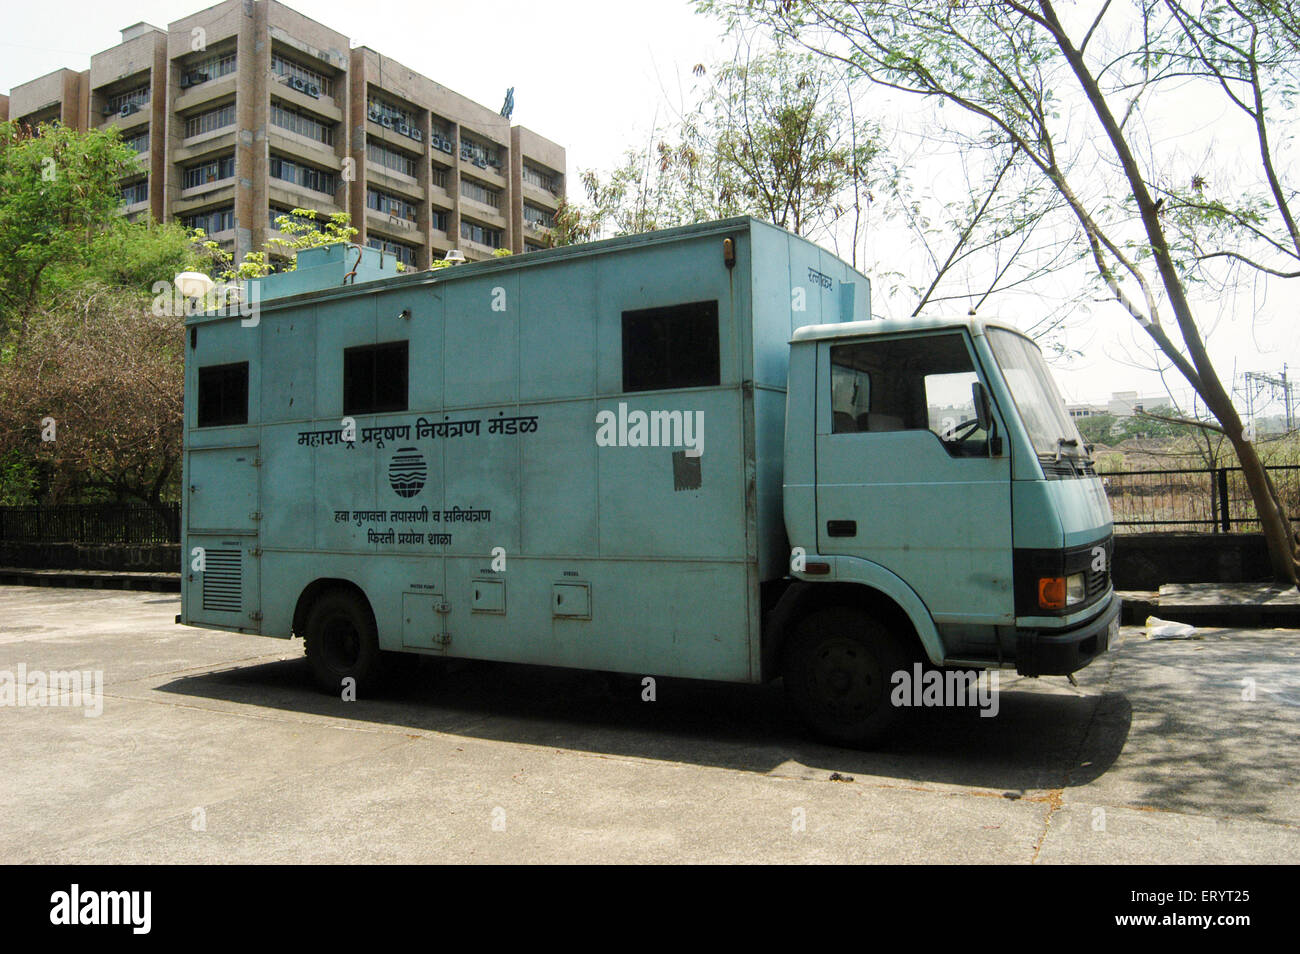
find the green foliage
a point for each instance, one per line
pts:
(300, 230)
(59, 197)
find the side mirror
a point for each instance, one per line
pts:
(980, 397)
(984, 414)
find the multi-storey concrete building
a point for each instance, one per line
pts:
(248, 109)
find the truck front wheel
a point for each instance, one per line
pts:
(838, 669)
(341, 643)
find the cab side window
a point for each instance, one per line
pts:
(906, 384)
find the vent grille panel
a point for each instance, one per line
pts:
(223, 581)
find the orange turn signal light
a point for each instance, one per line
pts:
(1051, 592)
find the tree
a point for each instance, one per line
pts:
(1084, 98)
(93, 397)
(768, 134)
(299, 229)
(59, 193)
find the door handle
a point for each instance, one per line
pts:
(841, 528)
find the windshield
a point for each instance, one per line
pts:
(1036, 396)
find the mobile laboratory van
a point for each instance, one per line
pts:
(686, 453)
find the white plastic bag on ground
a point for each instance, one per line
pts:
(1164, 629)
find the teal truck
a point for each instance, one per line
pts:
(687, 453)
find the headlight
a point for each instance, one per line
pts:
(1075, 591)
(1058, 592)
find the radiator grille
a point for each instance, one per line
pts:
(222, 583)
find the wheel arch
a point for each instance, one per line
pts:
(318, 588)
(896, 604)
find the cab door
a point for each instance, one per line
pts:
(906, 476)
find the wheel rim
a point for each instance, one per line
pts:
(846, 680)
(340, 644)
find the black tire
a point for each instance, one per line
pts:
(342, 641)
(838, 667)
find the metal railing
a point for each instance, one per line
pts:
(1204, 500)
(126, 524)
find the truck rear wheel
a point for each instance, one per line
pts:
(342, 642)
(839, 663)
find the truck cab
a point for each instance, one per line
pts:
(932, 464)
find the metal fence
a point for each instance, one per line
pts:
(1205, 500)
(91, 523)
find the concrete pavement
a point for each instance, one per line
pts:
(214, 747)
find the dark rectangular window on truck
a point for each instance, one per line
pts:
(374, 378)
(223, 394)
(673, 347)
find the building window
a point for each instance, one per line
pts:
(379, 110)
(139, 142)
(307, 177)
(207, 69)
(439, 220)
(135, 192)
(389, 204)
(214, 170)
(390, 159)
(541, 178)
(129, 102)
(211, 221)
(538, 218)
(223, 395)
(206, 122)
(480, 234)
(438, 176)
(480, 154)
(374, 378)
(480, 193)
(441, 136)
(301, 78)
(674, 347)
(533, 247)
(403, 253)
(301, 123)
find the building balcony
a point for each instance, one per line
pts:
(294, 144)
(129, 123)
(204, 191)
(488, 174)
(221, 192)
(394, 226)
(381, 177)
(195, 96)
(539, 196)
(323, 106)
(291, 195)
(217, 140)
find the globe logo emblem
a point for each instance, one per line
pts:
(407, 472)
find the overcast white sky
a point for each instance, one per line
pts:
(591, 76)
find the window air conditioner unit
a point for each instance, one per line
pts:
(313, 91)
(376, 115)
(186, 83)
(386, 122)
(297, 84)
(417, 135)
(128, 109)
(402, 128)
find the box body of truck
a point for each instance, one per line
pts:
(572, 457)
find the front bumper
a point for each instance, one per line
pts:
(1049, 652)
